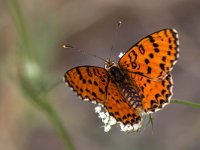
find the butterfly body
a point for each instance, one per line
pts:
(126, 87)
(140, 83)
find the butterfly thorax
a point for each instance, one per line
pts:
(125, 86)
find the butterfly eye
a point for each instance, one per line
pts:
(108, 64)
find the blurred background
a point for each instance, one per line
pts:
(33, 63)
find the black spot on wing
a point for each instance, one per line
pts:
(164, 58)
(79, 73)
(151, 55)
(155, 45)
(156, 50)
(88, 72)
(149, 70)
(162, 66)
(151, 39)
(146, 61)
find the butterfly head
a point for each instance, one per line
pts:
(108, 64)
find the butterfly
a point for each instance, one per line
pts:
(140, 83)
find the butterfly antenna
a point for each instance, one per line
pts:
(83, 52)
(119, 23)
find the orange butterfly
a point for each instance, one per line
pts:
(140, 83)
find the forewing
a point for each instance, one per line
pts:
(154, 56)
(89, 82)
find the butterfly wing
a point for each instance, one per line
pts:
(93, 83)
(89, 82)
(155, 94)
(118, 107)
(154, 56)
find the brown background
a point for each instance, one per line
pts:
(90, 25)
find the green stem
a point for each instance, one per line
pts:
(29, 85)
(21, 27)
(42, 102)
(57, 123)
(187, 103)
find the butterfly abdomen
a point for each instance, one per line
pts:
(131, 95)
(126, 88)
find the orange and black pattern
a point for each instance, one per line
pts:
(141, 82)
(119, 108)
(153, 56)
(90, 82)
(154, 94)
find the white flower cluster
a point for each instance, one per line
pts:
(105, 117)
(129, 127)
(109, 121)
